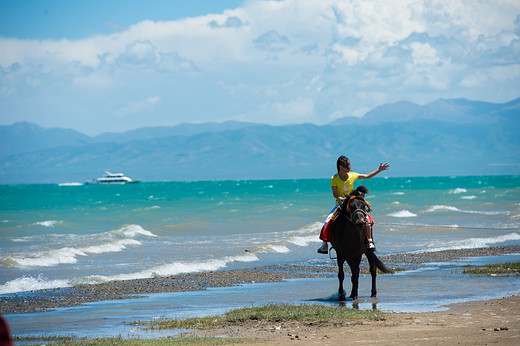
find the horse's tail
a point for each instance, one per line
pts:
(381, 266)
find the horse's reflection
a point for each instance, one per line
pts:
(349, 302)
(355, 304)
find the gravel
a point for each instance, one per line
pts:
(42, 300)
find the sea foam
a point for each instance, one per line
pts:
(107, 242)
(132, 231)
(436, 208)
(402, 213)
(471, 243)
(303, 240)
(276, 248)
(169, 269)
(48, 223)
(27, 283)
(458, 190)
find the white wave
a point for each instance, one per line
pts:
(304, 240)
(70, 254)
(116, 246)
(66, 255)
(442, 207)
(25, 283)
(399, 193)
(276, 248)
(468, 197)
(402, 213)
(305, 235)
(163, 270)
(450, 208)
(48, 223)
(169, 269)
(471, 243)
(245, 257)
(131, 231)
(458, 190)
(71, 184)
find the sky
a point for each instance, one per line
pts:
(115, 65)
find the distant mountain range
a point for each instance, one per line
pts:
(445, 137)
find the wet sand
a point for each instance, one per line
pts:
(48, 299)
(492, 322)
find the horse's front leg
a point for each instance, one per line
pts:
(341, 276)
(373, 272)
(354, 268)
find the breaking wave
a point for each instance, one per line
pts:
(471, 243)
(105, 242)
(402, 213)
(436, 208)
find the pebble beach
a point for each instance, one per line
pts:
(42, 300)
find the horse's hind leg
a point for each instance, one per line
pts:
(373, 273)
(354, 268)
(341, 276)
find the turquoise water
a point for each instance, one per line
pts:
(62, 235)
(56, 236)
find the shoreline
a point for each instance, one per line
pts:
(44, 300)
(483, 322)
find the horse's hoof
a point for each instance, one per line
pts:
(353, 298)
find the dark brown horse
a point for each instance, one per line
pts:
(349, 241)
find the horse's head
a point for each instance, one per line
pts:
(356, 207)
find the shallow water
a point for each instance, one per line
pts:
(430, 288)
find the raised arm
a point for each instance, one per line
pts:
(382, 167)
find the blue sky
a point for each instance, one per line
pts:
(97, 66)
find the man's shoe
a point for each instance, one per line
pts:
(324, 248)
(371, 245)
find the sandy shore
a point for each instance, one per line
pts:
(493, 322)
(48, 299)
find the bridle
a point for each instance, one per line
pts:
(352, 214)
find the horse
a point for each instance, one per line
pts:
(349, 241)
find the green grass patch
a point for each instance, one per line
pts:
(284, 312)
(274, 313)
(502, 269)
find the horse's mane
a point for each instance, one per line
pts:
(362, 189)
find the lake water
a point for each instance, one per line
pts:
(62, 235)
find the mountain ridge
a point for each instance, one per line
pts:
(421, 145)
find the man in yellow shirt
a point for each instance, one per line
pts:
(342, 184)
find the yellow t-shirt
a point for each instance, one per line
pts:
(344, 187)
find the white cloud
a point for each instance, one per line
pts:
(138, 106)
(295, 60)
(138, 53)
(423, 54)
(295, 110)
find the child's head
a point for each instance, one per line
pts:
(344, 162)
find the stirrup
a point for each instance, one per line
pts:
(371, 245)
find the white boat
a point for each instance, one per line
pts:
(113, 178)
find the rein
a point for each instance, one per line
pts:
(358, 197)
(357, 211)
